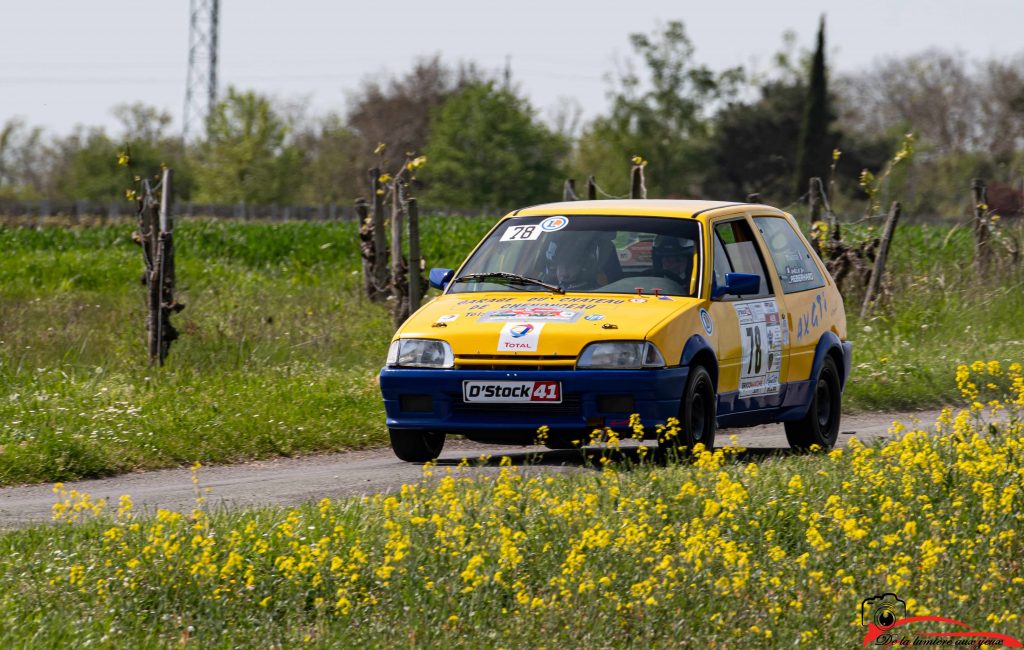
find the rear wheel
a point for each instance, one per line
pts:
(821, 424)
(697, 414)
(416, 446)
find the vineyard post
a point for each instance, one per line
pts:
(366, 247)
(149, 227)
(591, 188)
(380, 253)
(875, 283)
(637, 189)
(982, 244)
(569, 190)
(814, 199)
(399, 287)
(414, 254)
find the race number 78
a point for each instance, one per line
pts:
(521, 233)
(754, 345)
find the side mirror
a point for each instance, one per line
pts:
(439, 278)
(740, 284)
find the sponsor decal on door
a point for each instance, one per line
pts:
(761, 340)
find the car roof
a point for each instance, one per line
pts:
(680, 208)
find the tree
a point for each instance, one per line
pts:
(814, 148)
(753, 144)
(247, 156)
(486, 149)
(397, 113)
(661, 117)
(23, 165)
(331, 162)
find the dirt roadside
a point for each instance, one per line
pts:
(291, 481)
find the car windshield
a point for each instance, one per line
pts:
(591, 254)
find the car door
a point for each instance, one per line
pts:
(752, 345)
(802, 285)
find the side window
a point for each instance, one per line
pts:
(793, 260)
(736, 252)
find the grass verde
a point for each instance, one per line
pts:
(279, 351)
(278, 356)
(722, 552)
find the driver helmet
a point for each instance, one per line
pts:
(672, 253)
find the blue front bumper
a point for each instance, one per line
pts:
(653, 394)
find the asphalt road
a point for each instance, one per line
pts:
(291, 481)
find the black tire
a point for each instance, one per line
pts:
(821, 424)
(697, 414)
(416, 446)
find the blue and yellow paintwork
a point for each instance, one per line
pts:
(814, 320)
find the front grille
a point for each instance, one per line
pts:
(507, 366)
(514, 362)
(571, 405)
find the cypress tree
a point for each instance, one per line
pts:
(814, 147)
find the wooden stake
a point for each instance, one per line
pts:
(414, 254)
(569, 190)
(982, 236)
(380, 247)
(637, 189)
(366, 247)
(814, 199)
(399, 284)
(875, 282)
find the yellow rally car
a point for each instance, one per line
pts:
(577, 315)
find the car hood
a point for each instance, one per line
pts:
(531, 323)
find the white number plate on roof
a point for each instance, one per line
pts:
(521, 233)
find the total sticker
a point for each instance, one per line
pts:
(519, 337)
(552, 224)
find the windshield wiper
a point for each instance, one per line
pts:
(510, 278)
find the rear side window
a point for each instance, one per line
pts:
(794, 261)
(736, 252)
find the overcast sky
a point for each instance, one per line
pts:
(69, 62)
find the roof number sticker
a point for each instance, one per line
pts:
(552, 224)
(521, 233)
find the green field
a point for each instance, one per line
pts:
(279, 351)
(733, 550)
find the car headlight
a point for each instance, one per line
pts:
(420, 353)
(621, 355)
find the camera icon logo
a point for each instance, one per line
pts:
(882, 611)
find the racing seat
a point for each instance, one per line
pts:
(608, 264)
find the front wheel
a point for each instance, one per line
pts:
(416, 446)
(821, 424)
(697, 414)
